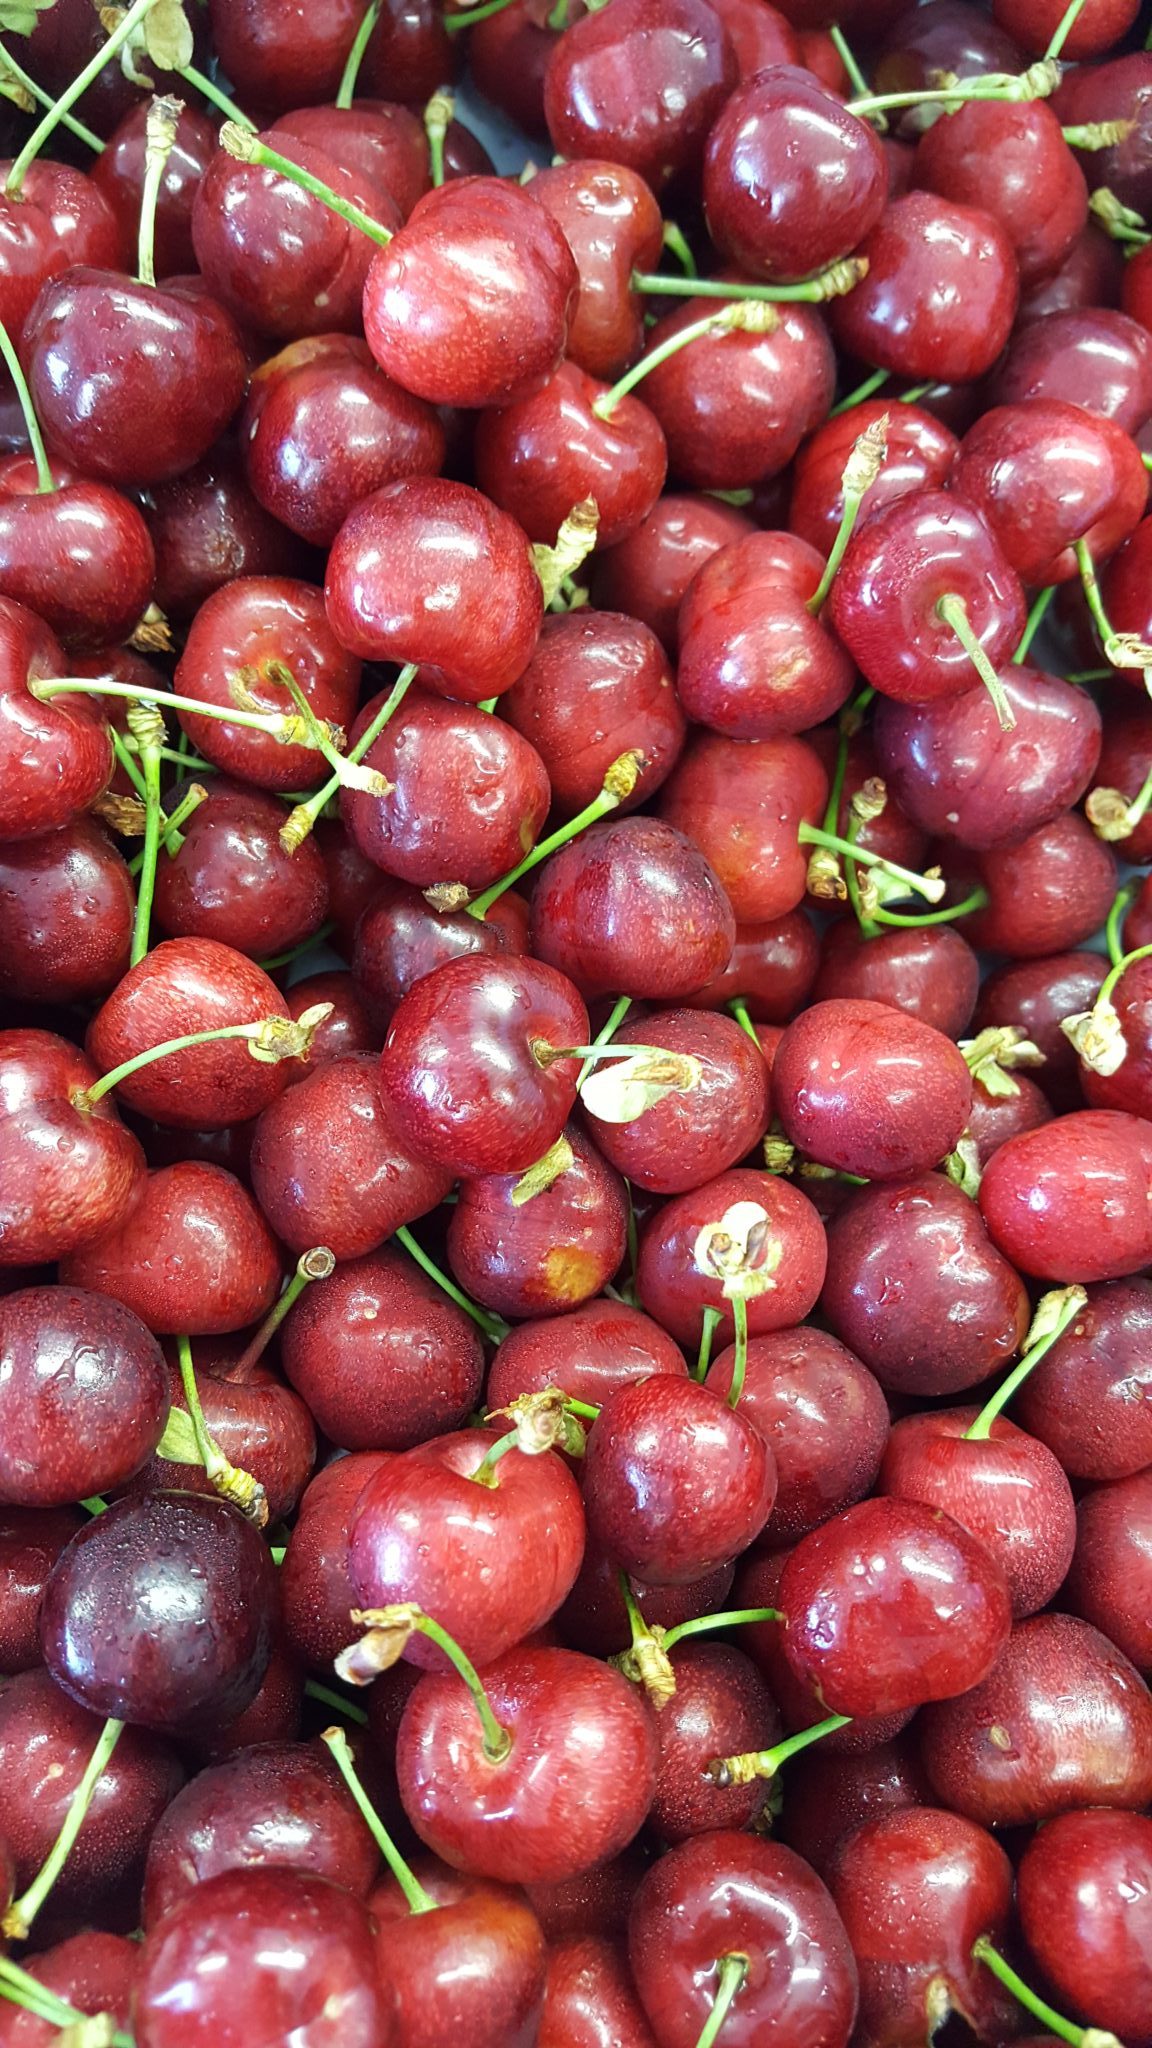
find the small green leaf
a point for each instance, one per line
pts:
(178, 1443)
(18, 17)
(167, 36)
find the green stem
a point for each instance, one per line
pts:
(68, 98)
(558, 16)
(346, 90)
(814, 835)
(709, 326)
(863, 391)
(211, 1456)
(486, 1470)
(44, 99)
(975, 901)
(247, 149)
(159, 138)
(115, 1075)
(709, 1323)
(316, 1264)
(419, 1901)
(23, 1911)
(858, 479)
(990, 86)
(455, 22)
(301, 820)
(954, 612)
(44, 478)
(1118, 968)
(1091, 587)
(296, 952)
(437, 115)
(605, 801)
(812, 291)
(1116, 918)
(677, 246)
(493, 1327)
(220, 100)
(1066, 2030)
(166, 700)
(739, 1010)
(1069, 1309)
(19, 1987)
(126, 759)
(1034, 621)
(327, 1697)
(765, 1763)
(856, 78)
(278, 1552)
(740, 1361)
(736, 1617)
(605, 1034)
(146, 882)
(95, 1505)
(497, 1741)
(733, 1970)
(1064, 28)
(170, 832)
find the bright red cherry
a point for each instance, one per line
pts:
(1108, 1580)
(613, 226)
(1085, 1881)
(648, 573)
(474, 1966)
(194, 1255)
(642, 87)
(589, 1996)
(940, 295)
(869, 1090)
(590, 1352)
(920, 454)
(1073, 1200)
(78, 554)
(701, 1128)
(56, 756)
(1045, 476)
(742, 803)
(927, 970)
(71, 1172)
(631, 907)
(550, 450)
(1010, 159)
(51, 955)
(1087, 1399)
(59, 220)
(548, 1254)
(754, 663)
(746, 1230)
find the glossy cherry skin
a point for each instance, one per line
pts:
(1073, 1201)
(641, 89)
(232, 882)
(598, 684)
(1088, 276)
(692, 1134)
(657, 1444)
(1130, 1087)
(1125, 584)
(727, 1893)
(546, 452)
(648, 573)
(915, 1889)
(613, 226)
(1001, 157)
(91, 1971)
(631, 908)
(677, 1283)
(1046, 893)
(741, 803)
(721, 1707)
(1032, 23)
(828, 1795)
(207, 529)
(60, 221)
(547, 1255)
(83, 1396)
(51, 955)
(1045, 475)
(1088, 1398)
(824, 1418)
(594, 1617)
(434, 534)
(506, 1556)
(892, 1604)
(349, 1029)
(324, 427)
(46, 1740)
(93, 335)
(1125, 759)
(474, 1967)
(55, 757)
(734, 407)
(281, 1803)
(161, 1612)
(194, 1255)
(1061, 1721)
(792, 181)
(1108, 1580)
(1084, 1883)
(883, 602)
(31, 1540)
(921, 451)
(249, 625)
(470, 303)
(573, 1790)
(280, 60)
(930, 973)
(315, 1590)
(70, 1173)
(864, 1088)
(399, 938)
(1007, 1489)
(275, 1949)
(183, 986)
(80, 555)
(1091, 357)
(754, 663)
(382, 1358)
(589, 1999)
(260, 1425)
(918, 1292)
(461, 1063)
(118, 174)
(589, 1352)
(772, 969)
(940, 295)
(954, 770)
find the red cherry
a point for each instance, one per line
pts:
(631, 907)
(1090, 357)
(1073, 1200)
(595, 1617)
(929, 971)
(779, 1247)
(79, 554)
(589, 1352)
(1084, 1883)
(375, 139)
(83, 1396)
(56, 757)
(50, 955)
(399, 939)
(721, 1707)
(698, 1131)
(1125, 761)
(91, 1972)
(549, 450)
(648, 573)
(257, 1423)
(545, 1255)
(771, 971)
(742, 804)
(60, 220)
(474, 1965)
(1046, 476)
(1086, 1398)
(869, 1090)
(71, 1172)
(275, 68)
(1108, 1580)
(1090, 275)
(754, 663)
(589, 1997)
(613, 227)
(194, 1255)
(641, 88)
(207, 530)
(1033, 23)
(1046, 894)
(920, 454)
(827, 1796)
(315, 1590)
(1011, 160)
(31, 1540)
(231, 881)
(119, 175)
(940, 295)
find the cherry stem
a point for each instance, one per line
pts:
(918, 885)
(248, 149)
(739, 1010)
(603, 1036)
(1115, 919)
(279, 724)
(733, 1969)
(147, 728)
(159, 139)
(1033, 623)
(1091, 586)
(18, 1919)
(1054, 1313)
(95, 1505)
(868, 455)
(486, 1471)
(676, 244)
(709, 1322)
(558, 16)
(19, 1987)
(125, 759)
(619, 783)
(954, 612)
(193, 797)
(765, 1763)
(76, 90)
(300, 821)
(831, 283)
(983, 1952)
(740, 1361)
(856, 77)
(497, 1741)
(1036, 83)
(36, 92)
(115, 1075)
(346, 90)
(280, 675)
(419, 1901)
(437, 115)
(211, 1456)
(455, 22)
(975, 901)
(735, 317)
(316, 1264)
(325, 1694)
(1117, 968)
(212, 93)
(848, 724)
(275, 960)
(494, 1328)
(863, 391)
(45, 481)
(1064, 29)
(735, 1617)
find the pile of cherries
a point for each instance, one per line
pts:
(567, 739)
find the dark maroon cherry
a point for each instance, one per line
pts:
(1084, 1884)
(59, 220)
(1036, 995)
(928, 971)
(232, 882)
(1091, 357)
(399, 938)
(71, 1171)
(31, 1540)
(641, 88)
(315, 1590)
(207, 529)
(648, 573)
(83, 1396)
(721, 1707)
(49, 954)
(91, 1972)
(772, 969)
(828, 1794)
(920, 453)
(78, 554)
(547, 1254)
(940, 295)
(1108, 1580)
(118, 173)
(632, 908)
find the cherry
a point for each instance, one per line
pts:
(276, 1949)
(1061, 1721)
(631, 907)
(1073, 1201)
(375, 139)
(743, 804)
(256, 1423)
(118, 173)
(951, 36)
(1049, 478)
(1086, 1399)
(1033, 23)
(939, 297)
(891, 1604)
(1125, 761)
(471, 1063)
(1124, 1000)
(549, 450)
(31, 1540)
(1000, 156)
(759, 34)
(73, 550)
(920, 453)
(772, 969)
(595, 1617)
(641, 88)
(649, 572)
(161, 1612)
(1090, 357)
(1083, 1907)
(824, 1418)
(742, 1233)
(91, 1972)
(959, 775)
(83, 1396)
(473, 1958)
(994, 1118)
(183, 986)
(444, 536)
(50, 955)
(827, 1796)
(254, 627)
(71, 1170)
(613, 227)
(194, 1254)
(700, 1128)
(588, 1352)
(399, 938)
(347, 1030)
(324, 427)
(57, 756)
(651, 1442)
(721, 1706)
(572, 1786)
(507, 1552)
(46, 1741)
(864, 1088)
(470, 304)
(315, 1590)
(1107, 1582)
(1091, 274)
(918, 1292)
(727, 1895)
(1046, 894)
(589, 1998)
(539, 1250)
(230, 881)
(915, 1888)
(792, 180)
(59, 221)
(1036, 995)
(754, 663)
(278, 1803)
(929, 971)
(1124, 584)
(208, 529)
(275, 1715)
